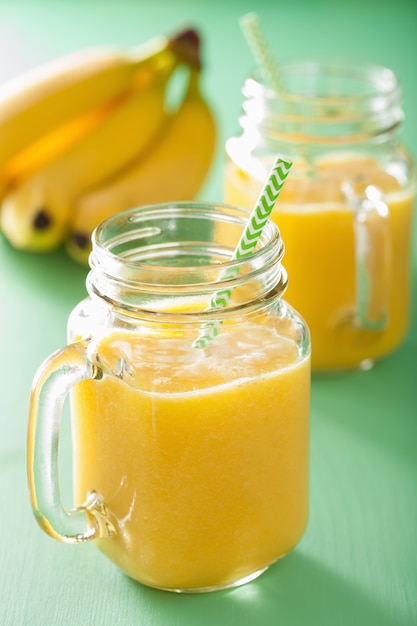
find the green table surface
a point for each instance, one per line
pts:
(357, 563)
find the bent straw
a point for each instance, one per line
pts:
(247, 242)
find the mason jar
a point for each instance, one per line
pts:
(345, 213)
(190, 447)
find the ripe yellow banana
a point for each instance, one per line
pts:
(36, 104)
(35, 215)
(173, 169)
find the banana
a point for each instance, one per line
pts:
(35, 215)
(37, 103)
(174, 169)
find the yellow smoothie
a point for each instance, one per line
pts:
(317, 227)
(201, 457)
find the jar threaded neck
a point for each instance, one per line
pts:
(172, 258)
(326, 103)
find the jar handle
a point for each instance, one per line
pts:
(52, 382)
(372, 256)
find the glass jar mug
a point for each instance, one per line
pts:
(345, 213)
(190, 457)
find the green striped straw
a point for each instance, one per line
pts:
(247, 243)
(251, 28)
(252, 31)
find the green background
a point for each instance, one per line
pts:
(357, 563)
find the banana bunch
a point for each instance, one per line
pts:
(94, 133)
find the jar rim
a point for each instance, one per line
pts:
(379, 79)
(130, 256)
(323, 102)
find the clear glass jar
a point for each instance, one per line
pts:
(345, 212)
(190, 458)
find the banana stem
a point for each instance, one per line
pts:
(186, 45)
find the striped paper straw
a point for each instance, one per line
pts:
(251, 28)
(269, 69)
(247, 242)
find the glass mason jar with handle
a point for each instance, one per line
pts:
(345, 214)
(190, 461)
